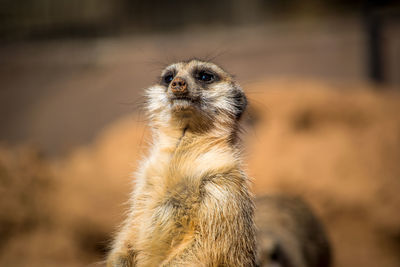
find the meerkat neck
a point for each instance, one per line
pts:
(172, 137)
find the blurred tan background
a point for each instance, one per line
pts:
(323, 82)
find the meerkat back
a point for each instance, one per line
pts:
(289, 234)
(191, 204)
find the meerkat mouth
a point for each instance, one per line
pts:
(180, 103)
(182, 98)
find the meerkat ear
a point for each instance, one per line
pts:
(240, 103)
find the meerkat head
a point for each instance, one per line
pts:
(197, 95)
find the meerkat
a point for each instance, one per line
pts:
(191, 204)
(289, 234)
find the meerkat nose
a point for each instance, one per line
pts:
(179, 86)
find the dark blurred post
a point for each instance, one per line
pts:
(373, 29)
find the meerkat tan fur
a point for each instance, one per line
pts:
(289, 234)
(191, 205)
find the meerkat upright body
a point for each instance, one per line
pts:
(191, 205)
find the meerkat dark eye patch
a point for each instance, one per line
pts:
(205, 76)
(167, 78)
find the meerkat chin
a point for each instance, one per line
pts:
(191, 205)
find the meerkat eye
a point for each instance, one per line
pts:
(205, 76)
(168, 78)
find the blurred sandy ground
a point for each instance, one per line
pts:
(73, 131)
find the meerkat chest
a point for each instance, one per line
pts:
(168, 205)
(185, 168)
(175, 183)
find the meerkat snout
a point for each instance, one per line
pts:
(179, 87)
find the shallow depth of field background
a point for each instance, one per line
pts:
(322, 78)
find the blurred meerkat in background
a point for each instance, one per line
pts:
(289, 234)
(191, 205)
